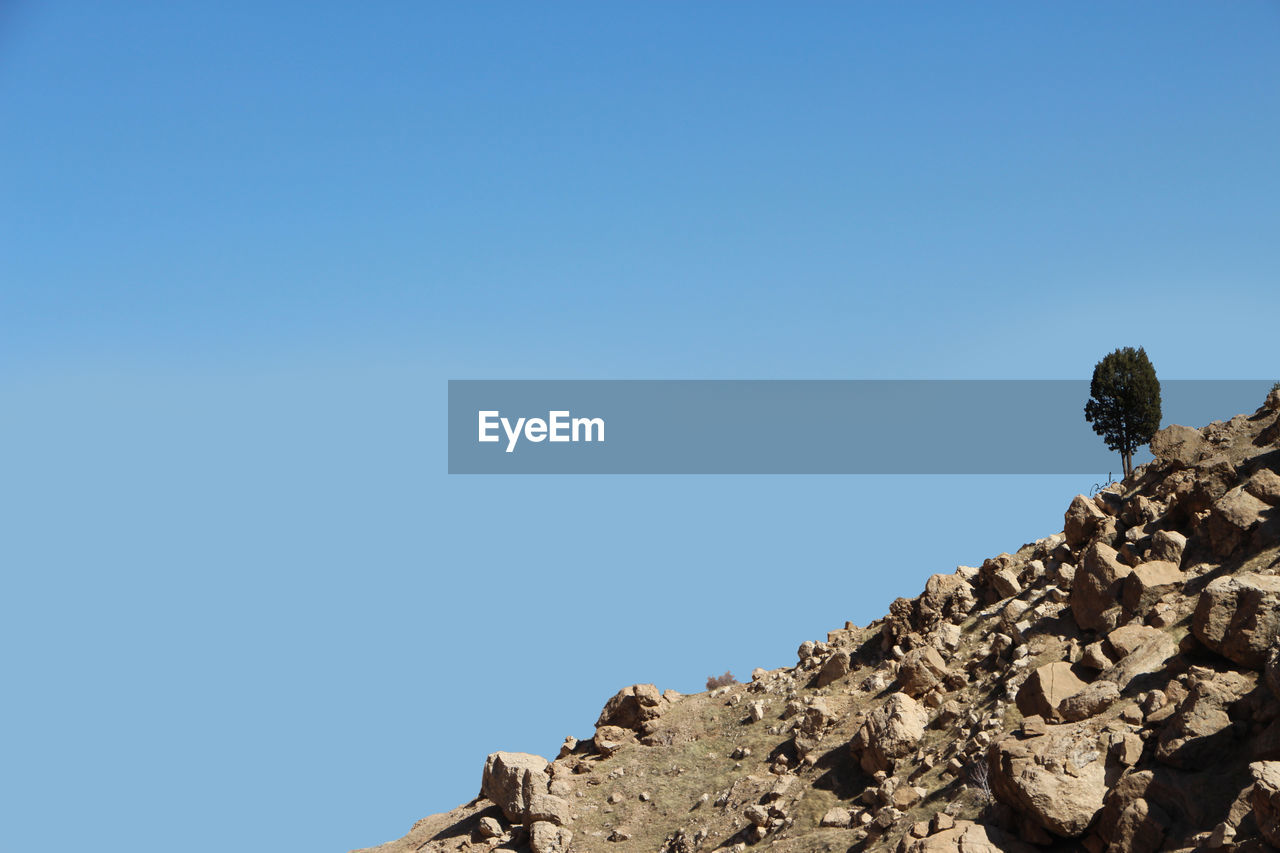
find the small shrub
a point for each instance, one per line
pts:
(979, 780)
(1276, 387)
(725, 680)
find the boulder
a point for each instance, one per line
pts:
(946, 597)
(1231, 518)
(967, 837)
(1046, 688)
(1095, 657)
(1200, 731)
(546, 837)
(549, 808)
(1237, 616)
(488, 827)
(1090, 701)
(1168, 545)
(1057, 779)
(835, 667)
(1148, 582)
(1266, 799)
(1150, 650)
(947, 636)
(1081, 520)
(1005, 583)
(921, 670)
(631, 706)
(1138, 826)
(1096, 588)
(511, 779)
(609, 739)
(838, 818)
(891, 731)
(813, 722)
(1127, 639)
(1179, 446)
(1265, 486)
(1126, 748)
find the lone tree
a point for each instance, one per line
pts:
(1124, 402)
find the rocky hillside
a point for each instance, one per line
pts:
(1115, 686)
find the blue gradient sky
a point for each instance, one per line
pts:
(243, 248)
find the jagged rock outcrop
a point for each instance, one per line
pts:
(1058, 778)
(1047, 688)
(511, 781)
(1096, 588)
(1266, 799)
(890, 732)
(1238, 616)
(1112, 687)
(631, 707)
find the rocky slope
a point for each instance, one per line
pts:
(1115, 686)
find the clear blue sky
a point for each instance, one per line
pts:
(243, 247)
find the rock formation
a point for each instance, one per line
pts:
(1112, 687)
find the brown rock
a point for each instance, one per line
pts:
(546, 837)
(1089, 702)
(756, 815)
(967, 837)
(834, 668)
(1179, 446)
(1231, 518)
(1005, 583)
(890, 732)
(921, 670)
(1096, 588)
(1266, 799)
(813, 722)
(1046, 688)
(1149, 657)
(1265, 486)
(1199, 732)
(1126, 749)
(548, 808)
(1059, 779)
(946, 597)
(1129, 638)
(1095, 657)
(906, 796)
(839, 818)
(1081, 520)
(631, 706)
(1237, 616)
(1148, 582)
(609, 739)
(1168, 545)
(511, 779)
(1140, 827)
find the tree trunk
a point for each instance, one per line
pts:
(1127, 456)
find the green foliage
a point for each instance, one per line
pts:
(1124, 402)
